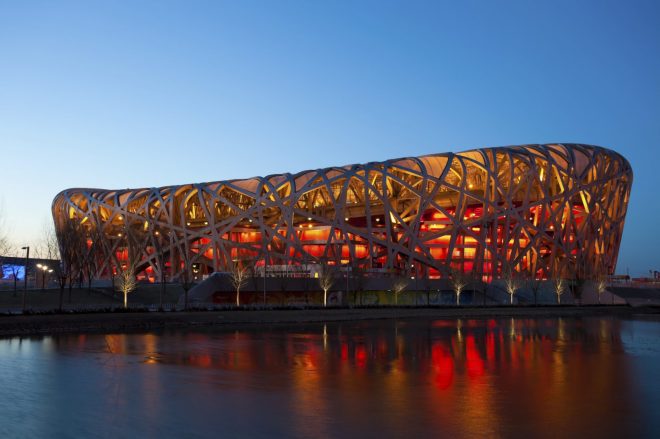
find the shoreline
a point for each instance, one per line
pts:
(53, 324)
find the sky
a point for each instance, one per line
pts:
(117, 94)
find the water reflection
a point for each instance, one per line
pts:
(536, 377)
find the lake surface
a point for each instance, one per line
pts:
(559, 377)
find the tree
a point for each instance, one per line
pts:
(69, 236)
(186, 282)
(359, 276)
(127, 283)
(326, 280)
(238, 274)
(398, 287)
(535, 285)
(134, 240)
(48, 247)
(511, 282)
(157, 240)
(5, 249)
(13, 269)
(458, 282)
(559, 286)
(87, 257)
(601, 284)
(580, 278)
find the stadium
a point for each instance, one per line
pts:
(544, 211)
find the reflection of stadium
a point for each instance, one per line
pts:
(541, 209)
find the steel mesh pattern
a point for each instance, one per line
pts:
(545, 210)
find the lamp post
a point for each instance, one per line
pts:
(44, 269)
(25, 274)
(36, 278)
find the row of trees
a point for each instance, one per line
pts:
(81, 253)
(512, 280)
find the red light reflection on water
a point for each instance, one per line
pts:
(443, 366)
(447, 374)
(474, 363)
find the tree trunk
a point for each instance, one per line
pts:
(125, 300)
(238, 298)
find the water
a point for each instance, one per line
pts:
(596, 377)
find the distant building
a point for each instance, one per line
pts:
(544, 210)
(13, 266)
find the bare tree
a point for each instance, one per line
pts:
(126, 283)
(359, 276)
(5, 248)
(90, 254)
(535, 285)
(48, 247)
(601, 284)
(14, 270)
(238, 274)
(400, 284)
(559, 287)
(458, 282)
(580, 278)
(69, 236)
(134, 240)
(186, 281)
(326, 280)
(157, 240)
(511, 282)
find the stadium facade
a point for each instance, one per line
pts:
(542, 210)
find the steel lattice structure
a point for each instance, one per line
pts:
(541, 209)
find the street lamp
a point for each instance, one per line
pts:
(44, 269)
(27, 260)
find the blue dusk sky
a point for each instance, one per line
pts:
(114, 94)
